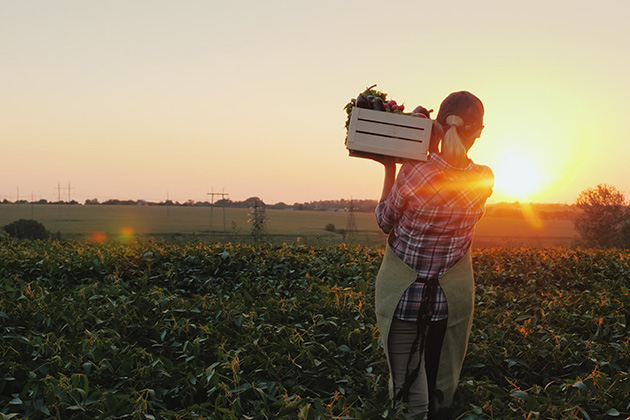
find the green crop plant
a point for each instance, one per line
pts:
(225, 331)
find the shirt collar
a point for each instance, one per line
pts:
(439, 161)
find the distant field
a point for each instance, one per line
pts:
(282, 225)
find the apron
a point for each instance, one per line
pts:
(393, 278)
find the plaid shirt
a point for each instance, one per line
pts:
(430, 214)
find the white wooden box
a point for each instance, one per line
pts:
(387, 133)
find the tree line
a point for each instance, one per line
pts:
(502, 210)
(321, 205)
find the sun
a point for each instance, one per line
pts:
(517, 177)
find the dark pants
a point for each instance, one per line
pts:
(401, 337)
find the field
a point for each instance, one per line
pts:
(176, 222)
(191, 330)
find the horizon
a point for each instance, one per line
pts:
(184, 202)
(182, 100)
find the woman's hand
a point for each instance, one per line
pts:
(437, 134)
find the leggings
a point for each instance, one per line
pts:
(401, 337)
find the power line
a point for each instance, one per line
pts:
(69, 201)
(223, 195)
(69, 190)
(58, 200)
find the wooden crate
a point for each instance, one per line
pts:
(390, 134)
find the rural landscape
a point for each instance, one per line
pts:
(145, 312)
(191, 224)
(316, 223)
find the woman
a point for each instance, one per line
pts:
(425, 286)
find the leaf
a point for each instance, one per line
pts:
(520, 394)
(585, 414)
(3, 315)
(580, 385)
(240, 388)
(87, 367)
(613, 412)
(617, 346)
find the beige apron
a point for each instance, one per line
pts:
(393, 278)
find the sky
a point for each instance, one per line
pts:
(149, 99)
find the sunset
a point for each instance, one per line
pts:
(518, 178)
(132, 100)
(335, 209)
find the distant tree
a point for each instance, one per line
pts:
(91, 201)
(117, 202)
(602, 211)
(226, 202)
(279, 206)
(258, 218)
(252, 202)
(26, 229)
(330, 227)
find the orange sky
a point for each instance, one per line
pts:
(134, 100)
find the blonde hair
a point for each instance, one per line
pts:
(452, 143)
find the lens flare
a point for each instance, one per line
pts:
(531, 216)
(98, 237)
(127, 233)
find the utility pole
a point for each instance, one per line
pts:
(69, 204)
(168, 204)
(58, 200)
(223, 195)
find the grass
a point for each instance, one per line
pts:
(172, 223)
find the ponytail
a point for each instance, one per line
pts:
(452, 142)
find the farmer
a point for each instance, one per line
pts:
(425, 286)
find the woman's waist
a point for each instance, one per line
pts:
(430, 258)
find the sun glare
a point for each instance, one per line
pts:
(517, 178)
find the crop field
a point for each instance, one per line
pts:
(231, 224)
(192, 330)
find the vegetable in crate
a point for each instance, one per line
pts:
(363, 102)
(377, 100)
(371, 95)
(378, 105)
